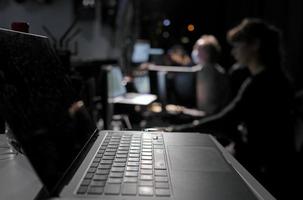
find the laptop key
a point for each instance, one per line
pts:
(89, 175)
(159, 159)
(110, 153)
(146, 153)
(122, 152)
(98, 183)
(121, 155)
(94, 164)
(129, 189)
(102, 171)
(123, 148)
(100, 177)
(111, 150)
(147, 162)
(95, 190)
(112, 189)
(131, 174)
(134, 151)
(134, 159)
(160, 173)
(99, 155)
(161, 179)
(118, 169)
(134, 169)
(133, 164)
(85, 182)
(114, 180)
(162, 185)
(116, 175)
(146, 183)
(82, 190)
(146, 171)
(121, 160)
(106, 162)
(136, 145)
(103, 147)
(146, 157)
(108, 157)
(130, 180)
(134, 155)
(101, 151)
(117, 164)
(105, 166)
(162, 192)
(92, 169)
(146, 167)
(146, 191)
(97, 160)
(146, 177)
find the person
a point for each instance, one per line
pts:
(237, 74)
(263, 108)
(177, 56)
(212, 85)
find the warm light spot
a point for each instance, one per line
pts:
(191, 27)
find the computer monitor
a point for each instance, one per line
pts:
(141, 52)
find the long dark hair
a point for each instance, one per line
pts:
(270, 53)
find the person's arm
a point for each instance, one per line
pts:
(222, 121)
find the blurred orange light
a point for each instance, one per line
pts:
(191, 27)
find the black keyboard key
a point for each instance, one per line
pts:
(82, 190)
(89, 175)
(95, 190)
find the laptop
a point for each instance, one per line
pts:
(141, 52)
(118, 92)
(74, 160)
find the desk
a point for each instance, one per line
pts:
(17, 178)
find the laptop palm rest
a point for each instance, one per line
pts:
(196, 159)
(199, 171)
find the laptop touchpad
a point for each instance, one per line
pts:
(196, 158)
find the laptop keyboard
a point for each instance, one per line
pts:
(128, 164)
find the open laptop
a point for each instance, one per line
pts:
(76, 161)
(118, 92)
(141, 52)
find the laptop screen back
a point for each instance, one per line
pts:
(39, 104)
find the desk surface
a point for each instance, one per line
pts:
(17, 178)
(163, 68)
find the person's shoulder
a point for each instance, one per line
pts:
(219, 69)
(214, 68)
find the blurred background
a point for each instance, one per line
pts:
(108, 29)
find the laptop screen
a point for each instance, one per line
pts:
(141, 51)
(115, 82)
(40, 106)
